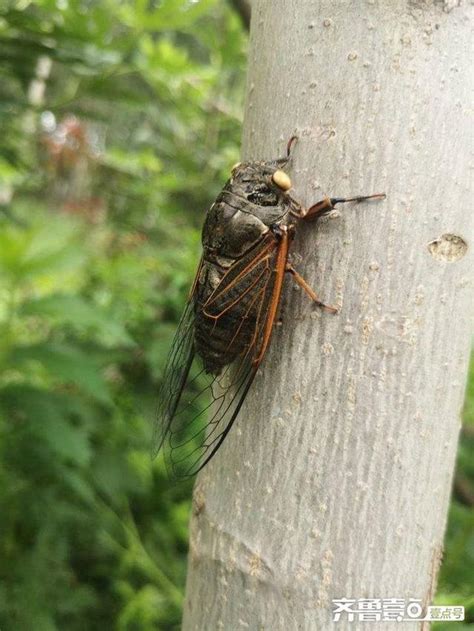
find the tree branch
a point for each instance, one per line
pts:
(243, 8)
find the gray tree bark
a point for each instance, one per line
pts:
(335, 480)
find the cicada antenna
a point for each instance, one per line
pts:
(289, 146)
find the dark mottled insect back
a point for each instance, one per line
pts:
(227, 324)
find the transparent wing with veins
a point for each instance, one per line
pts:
(196, 409)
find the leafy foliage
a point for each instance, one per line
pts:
(119, 120)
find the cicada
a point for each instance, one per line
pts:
(232, 309)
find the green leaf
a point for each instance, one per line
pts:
(170, 14)
(66, 364)
(49, 417)
(83, 316)
(39, 250)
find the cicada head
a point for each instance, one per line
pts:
(264, 185)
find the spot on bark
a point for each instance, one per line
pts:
(327, 349)
(255, 565)
(448, 247)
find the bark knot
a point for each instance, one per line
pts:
(448, 247)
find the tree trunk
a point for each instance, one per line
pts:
(335, 480)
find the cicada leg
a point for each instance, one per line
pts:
(309, 291)
(328, 203)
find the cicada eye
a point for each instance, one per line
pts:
(235, 167)
(282, 180)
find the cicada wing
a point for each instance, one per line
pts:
(178, 366)
(204, 417)
(198, 408)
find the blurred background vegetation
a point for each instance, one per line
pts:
(119, 120)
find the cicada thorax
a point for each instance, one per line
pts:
(236, 270)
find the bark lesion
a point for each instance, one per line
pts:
(239, 555)
(436, 559)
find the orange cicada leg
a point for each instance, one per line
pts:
(309, 291)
